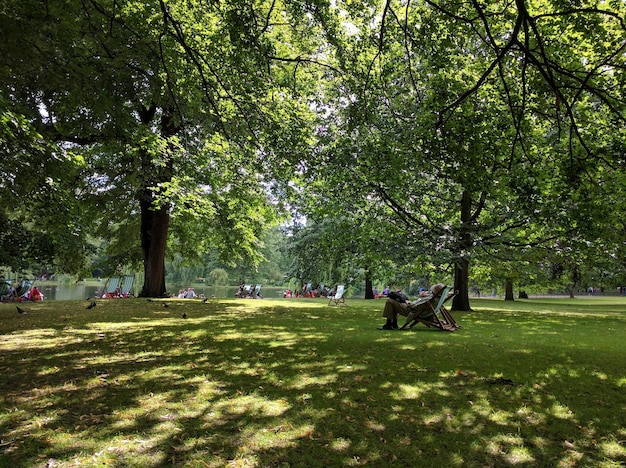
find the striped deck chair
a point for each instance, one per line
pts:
(256, 294)
(112, 287)
(5, 288)
(23, 288)
(126, 288)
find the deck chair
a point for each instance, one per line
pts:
(307, 290)
(17, 293)
(22, 289)
(338, 297)
(256, 294)
(5, 288)
(432, 312)
(112, 287)
(126, 288)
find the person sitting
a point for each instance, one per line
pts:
(11, 294)
(35, 295)
(385, 293)
(190, 294)
(399, 304)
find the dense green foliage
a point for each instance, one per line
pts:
(178, 114)
(491, 132)
(430, 138)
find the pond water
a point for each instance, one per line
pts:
(75, 291)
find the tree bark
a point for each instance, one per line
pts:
(155, 217)
(369, 290)
(461, 286)
(508, 290)
(154, 229)
(461, 266)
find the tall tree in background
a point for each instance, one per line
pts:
(182, 117)
(473, 121)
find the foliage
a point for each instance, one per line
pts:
(533, 382)
(181, 115)
(470, 122)
(447, 135)
(219, 277)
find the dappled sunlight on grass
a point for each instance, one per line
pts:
(298, 383)
(510, 448)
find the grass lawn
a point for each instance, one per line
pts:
(297, 383)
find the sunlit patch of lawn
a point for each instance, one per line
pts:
(256, 383)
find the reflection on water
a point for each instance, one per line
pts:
(68, 291)
(83, 291)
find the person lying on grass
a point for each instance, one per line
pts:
(399, 304)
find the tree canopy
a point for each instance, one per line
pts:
(473, 124)
(435, 132)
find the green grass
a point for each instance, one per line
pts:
(288, 383)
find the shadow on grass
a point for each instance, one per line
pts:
(280, 383)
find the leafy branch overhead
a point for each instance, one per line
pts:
(463, 133)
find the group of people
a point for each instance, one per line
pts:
(247, 291)
(21, 292)
(116, 293)
(385, 293)
(188, 293)
(308, 291)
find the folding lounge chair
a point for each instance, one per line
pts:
(338, 298)
(256, 294)
(433, 313)
(22, 289)
(7, 293)
(126, 288)
(307, 290)
(112, 287)
(247, 291)
(5, 288)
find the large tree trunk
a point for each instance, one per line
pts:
(369, 291)
(461, 267)
(461, 286)
(508, 290)
(154, 229)
(155, 217)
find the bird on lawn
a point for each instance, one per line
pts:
(20, 310)
(91, 306)
(205, 299)
(184, 315)
(165, 304)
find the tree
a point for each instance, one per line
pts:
(175, 111)
(218, 276)
(469, 121)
